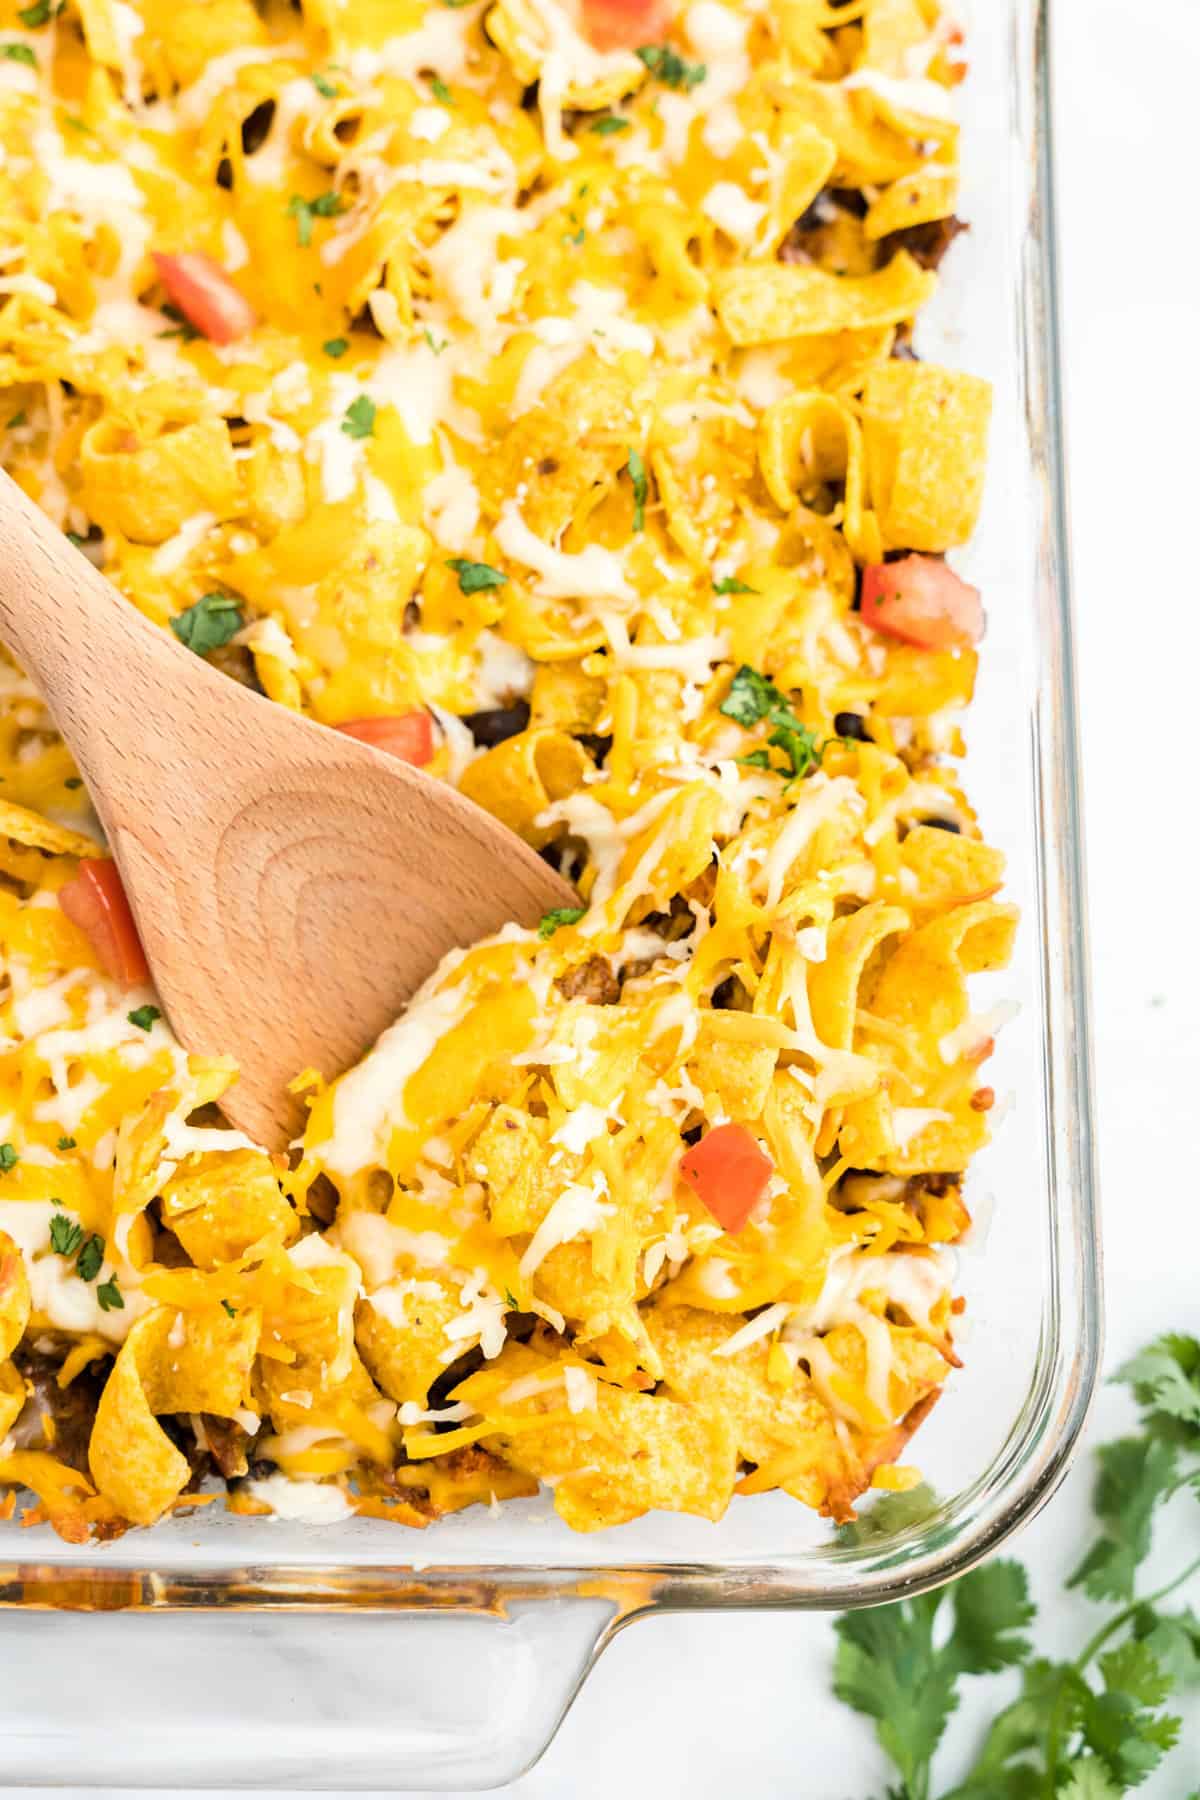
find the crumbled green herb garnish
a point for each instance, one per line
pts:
(91, 1257)
(40, 13)
(66, 1143)
(109, 1296)
(752, 698)
(181, 328)
(359, 421)
(635, 468)
(327, 89)
(608, 124)
(433, 343)
(207, 624)
(8, 1158)
(143, 1017)
(231, 1310)
(75, 538)
(325, 206)
(728, 584)
(475, 577)
(65, 1235)
(19, 53)
(1091, 1728)
(441, 91)
(559, 915)
(510, 1300)
(575, 237)
(671, 69)
(18, 419)
(73, 782)
(336, 347)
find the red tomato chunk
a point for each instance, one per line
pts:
(408, 735)
(728, 1172)
(920, 601)
(95, 901)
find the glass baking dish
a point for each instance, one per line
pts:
(246, 1652)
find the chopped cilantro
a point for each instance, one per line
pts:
(210, 622)
(8, 1157)
(441, 91)
(40, 13)
(510, 1300)
(359, 421)
(336, 347)
(728, 585)
(327, 89)
(635, 468)
(109, 1296)
(671, 69)
(181, 328)
(752, 698)
(19, 53)
(65, 1235)
(143, 1017)
(73, 782)
(91, 1257)
(231, 1310)
(18, 419)
(475, 577)
(325, 206)
(559, 915)
(66, 1143)
(433, 343)
(608, 124)
(74, 537)
(575, 237)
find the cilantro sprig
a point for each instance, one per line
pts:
(324, 206)
(559, 915)
(753, 698)
(208, 623)
(475, 577)
(1088, 1728)
(635, 468)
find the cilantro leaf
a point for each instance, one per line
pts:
(888, 1514)
(209, 623)
(1090, 1780)
(359, 421)
(1165, 1378)
(231, 1310)
(90, 1258)
(635, 468)
(559, 915)
(797, 742)
(886, 1666)
(143, 1017)
(441, 91)
(324, 206)
(474, 577)
(8, 1157)
(336, 347)
(1173, 1639)
(40, 13)
(182, 327)
(728, 585)
(19, 53)
(666, 65)
(327, 89)
(1135, 1473)
(109, 1296)
(18, 419)
(1131, 1740)
(751, 697)
(991, 1607)
(65, 1235)
(1133, 1669)
(66, 1143)
(608, 124)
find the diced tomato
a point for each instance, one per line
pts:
(95, 901)
(625, 24)
(921, 601)
(205, 296)
(408, 735)
(728, 1172)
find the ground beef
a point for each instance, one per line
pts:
(72, 1409)
(591, 980)
(926, 244)
(227, 1444)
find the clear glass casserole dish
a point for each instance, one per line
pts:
(351, 1657)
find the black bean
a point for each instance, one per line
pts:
(852, 725)
(497, 723)
(256, 127)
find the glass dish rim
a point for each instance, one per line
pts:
(1035, 1456)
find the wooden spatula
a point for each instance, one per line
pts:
(292, 886)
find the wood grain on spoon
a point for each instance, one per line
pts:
(292, 887)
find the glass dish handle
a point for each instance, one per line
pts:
(399, 1700)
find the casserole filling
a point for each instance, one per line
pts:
(529, 390)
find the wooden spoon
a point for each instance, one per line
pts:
(292, 886)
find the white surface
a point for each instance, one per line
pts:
(708, 1706)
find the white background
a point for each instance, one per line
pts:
(715, 1706)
